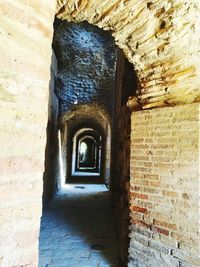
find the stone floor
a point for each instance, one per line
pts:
(77, 229)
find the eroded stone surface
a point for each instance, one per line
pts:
(25, 42)
(86, 58)
(166, 62)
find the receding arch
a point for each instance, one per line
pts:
(85, 118)
(27, 27)
(88, 162)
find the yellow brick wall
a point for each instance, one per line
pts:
(161, 38)
(26, 29)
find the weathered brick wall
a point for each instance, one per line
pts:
(25, 45)
(165, 187)
(161, 38)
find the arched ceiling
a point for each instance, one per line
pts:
(161, 38)
(86, 64)
(86, 112)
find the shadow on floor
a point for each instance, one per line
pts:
(77, 229)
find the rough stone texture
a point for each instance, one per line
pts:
(165, 187)
(25, 44)
(160, 38)
(78, 229)
(86, 58)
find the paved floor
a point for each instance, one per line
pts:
(77, 229)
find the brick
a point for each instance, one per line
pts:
(140, 223)
(136, 195)
(139, 209)
(138, 140)
(169, 193)
(135, 188)
(140, 182)
(160, 247)
(160, 230)
(161, 159)
(154, 184)
(140, 238)
(142, 158)
(151, 176)
(173, 178)
(165, 224)
(138, 147)
(164, 165)
(185, 257)
(151, 190)
(142, 169)
(140, 230)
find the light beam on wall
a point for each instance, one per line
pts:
(62, 175)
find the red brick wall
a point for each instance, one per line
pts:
(165, 186)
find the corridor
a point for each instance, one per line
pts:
(77, 229)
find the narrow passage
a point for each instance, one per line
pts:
(77, 229)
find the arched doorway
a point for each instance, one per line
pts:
(91, 103)
(87, 154)
(164, 53)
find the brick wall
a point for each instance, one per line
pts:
(161, 38)
(25, 45)
(164, 163)
(165, 187)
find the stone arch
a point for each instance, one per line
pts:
(94, 138)
(85, 116)
(26, 32)
(88, 110)
(156, 37)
